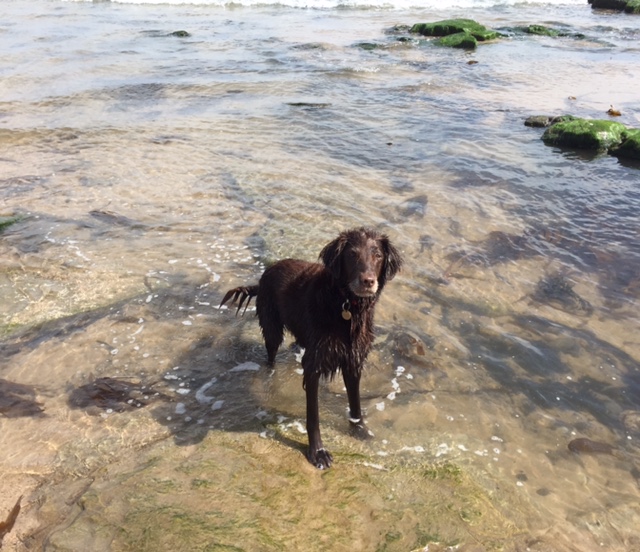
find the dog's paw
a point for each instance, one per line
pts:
(320, 458)
(359, 430)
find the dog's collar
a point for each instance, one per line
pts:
(354, 302)
(346, 309)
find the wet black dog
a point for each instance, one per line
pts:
(329, 310)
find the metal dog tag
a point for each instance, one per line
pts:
(346, 315)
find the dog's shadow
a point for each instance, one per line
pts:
(223, 383)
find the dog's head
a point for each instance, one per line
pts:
(362, 260)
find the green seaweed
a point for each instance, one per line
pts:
(5, 222)
(241, 492)
(444, 471)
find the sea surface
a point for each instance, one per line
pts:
(155, 154)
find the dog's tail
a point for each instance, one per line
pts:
(240, 295)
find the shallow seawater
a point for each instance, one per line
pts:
(148, 173)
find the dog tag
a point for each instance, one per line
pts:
(346, 315)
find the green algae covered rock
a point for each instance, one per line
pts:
(458, 40)
(594, 134)
(630, 146)
(467, 29)
(633, 6)
(628, 6)
(598, 135)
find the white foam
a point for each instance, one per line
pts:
(353, 4)
(442, 449)
(246, 367)
(200, 396)
(374, 466)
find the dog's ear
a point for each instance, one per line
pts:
(392, 259)
(331, 255)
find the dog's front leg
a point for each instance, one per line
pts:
(352, 383)
(317, 455)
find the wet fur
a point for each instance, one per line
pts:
(308, 300)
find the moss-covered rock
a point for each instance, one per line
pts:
(458, 40)
(594, 134)
(630, 146)
(628, 6)
(633, 6)
(464, 27)
(591, 134)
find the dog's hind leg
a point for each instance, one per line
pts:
(273, 335)
(272, 326)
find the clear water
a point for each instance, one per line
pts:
(152, 172)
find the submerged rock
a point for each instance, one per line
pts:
(456, 33)
(543, 121)
(543, 30)
(7, 525)
(110, 394)
(539, 30)
(18, 400)
(628, 6)
(368, 46)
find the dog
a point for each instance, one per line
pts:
(329, 308)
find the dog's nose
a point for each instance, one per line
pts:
(368, 281)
